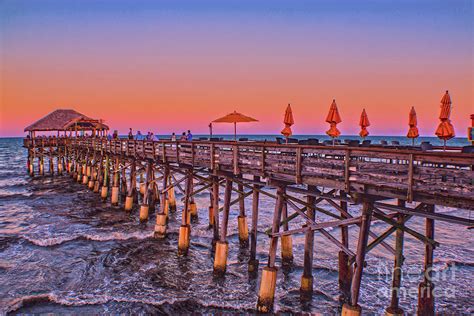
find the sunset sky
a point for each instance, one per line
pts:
(175, 65)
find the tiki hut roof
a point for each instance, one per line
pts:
(62, 120)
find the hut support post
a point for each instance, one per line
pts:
(267, 288)
(354, 308)
(307, 277)
(253, 262)
(242, 218)
(185, 229)
(222, 246)
(426, 287)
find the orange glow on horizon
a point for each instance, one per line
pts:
(170, 71)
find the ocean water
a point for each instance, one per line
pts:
(62, 250)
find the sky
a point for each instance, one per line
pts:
(170, 66)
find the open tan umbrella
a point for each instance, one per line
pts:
(235, 118)
(413, 122)
(445, 129)
(288, 121)
(333, 119)
(364, 123)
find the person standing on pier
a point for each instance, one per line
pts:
(189, 137)
(139, 136)
(183, 136)
(130, 134)
(173, 137)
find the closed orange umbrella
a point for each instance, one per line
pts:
(235, 118)
(412, 122)
(445, 129)
(333, 119)
(288, 121)
(364, 123)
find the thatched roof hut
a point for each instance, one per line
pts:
(66, 120)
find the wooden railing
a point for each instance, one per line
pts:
(432, 176)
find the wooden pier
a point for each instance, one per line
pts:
(151, 171)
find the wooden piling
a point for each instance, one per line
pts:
(105, 184)
(222, 246)
(171, 197)
(131, 187)
(242, 218)
(266, 294)
(426, 287)
(144, 208)
(345, 267)
(394, 308)
(286, 240)
(253, 262)
(185, 229)
(354, 308)
(115, 185)
(307, 277)
(215, 208)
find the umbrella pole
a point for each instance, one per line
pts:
(413, 142)
(444, 146)
(235, 131)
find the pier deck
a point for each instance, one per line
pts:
(336, 175)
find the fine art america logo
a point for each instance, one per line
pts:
(439, 280)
